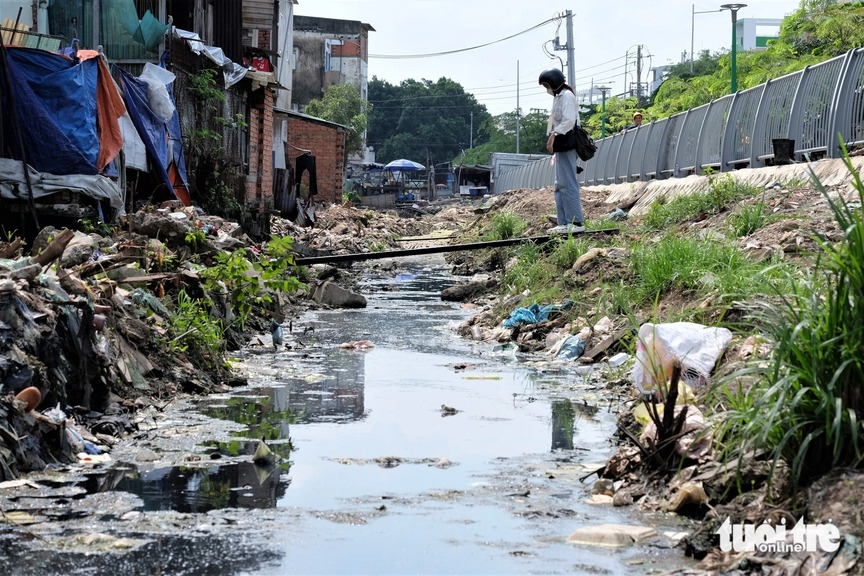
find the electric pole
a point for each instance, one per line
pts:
(517, 107)
(639, 75)
(571, 66)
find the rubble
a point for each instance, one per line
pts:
(85, 323)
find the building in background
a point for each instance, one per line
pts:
(756, 33)
(328, 52)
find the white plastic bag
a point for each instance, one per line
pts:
(696, 347)
(157, 79)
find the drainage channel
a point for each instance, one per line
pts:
(423, 453)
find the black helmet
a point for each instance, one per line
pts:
(553, 78)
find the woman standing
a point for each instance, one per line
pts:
(564, 116)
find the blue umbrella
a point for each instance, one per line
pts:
(403, 164)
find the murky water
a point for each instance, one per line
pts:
(429, 453)
(424, 454)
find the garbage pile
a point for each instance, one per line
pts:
(85, 330)
(341, 229)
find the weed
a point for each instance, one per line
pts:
(797, 183)
(195, 332)
(531, 271)
(9, 235)
(89, 227)
(505, 225)
(351, 197)
(195, 238)
(249, 285)
(695, 265)
(722, 192)
(803, 405)
(749, 218)
(567, 251)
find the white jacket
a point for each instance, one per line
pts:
(565, 113)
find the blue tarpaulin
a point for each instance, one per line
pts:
(55, 99)
(154, 131)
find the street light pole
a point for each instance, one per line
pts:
(603, 90)
(693, 29)
(733, 8)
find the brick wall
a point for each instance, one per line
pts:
(259, 179)
(327, 144)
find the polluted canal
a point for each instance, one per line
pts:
(393, 446)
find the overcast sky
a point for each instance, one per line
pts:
(605, 32)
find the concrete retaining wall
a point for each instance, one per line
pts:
(831, 172)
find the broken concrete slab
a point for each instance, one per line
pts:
(330, 294)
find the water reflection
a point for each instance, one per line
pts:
(267, 415)
(194, 489)
(563, 421)
(336, 395)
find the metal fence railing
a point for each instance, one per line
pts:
(800, 115)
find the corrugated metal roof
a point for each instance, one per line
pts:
(308, 117)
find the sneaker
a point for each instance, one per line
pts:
(557, 230)
(575, 228)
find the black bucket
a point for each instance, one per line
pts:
(784, 151)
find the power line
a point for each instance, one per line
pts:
(432, 54)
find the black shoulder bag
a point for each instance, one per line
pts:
(576, 139)
(564, 142)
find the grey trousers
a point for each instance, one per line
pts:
(568, 200)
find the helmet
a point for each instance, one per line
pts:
(639, 114)
(553, 78)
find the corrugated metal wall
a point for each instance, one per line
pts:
(227, 14)
(234, 139)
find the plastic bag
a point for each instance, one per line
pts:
(572, 348)
(157, 92)
(696, 347)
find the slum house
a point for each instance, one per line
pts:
(330, 52)
(59, 138)
(67, 119)
(316, 150)
(132, 44)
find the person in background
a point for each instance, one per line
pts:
(562, 119)
(637, 121)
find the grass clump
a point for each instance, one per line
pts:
(505, 225)
(749, 218)
(531, 271)
(805, 404)
(694, 265)
(722, 192)
(567, 250)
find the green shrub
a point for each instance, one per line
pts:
(249, 285)
(195, 332)
(804, 405)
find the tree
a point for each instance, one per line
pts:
(502, 130)
(342, 104)
(429, 122)
(824, 28)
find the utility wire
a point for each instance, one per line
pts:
(432, 54)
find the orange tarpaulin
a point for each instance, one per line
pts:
(109, 109)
